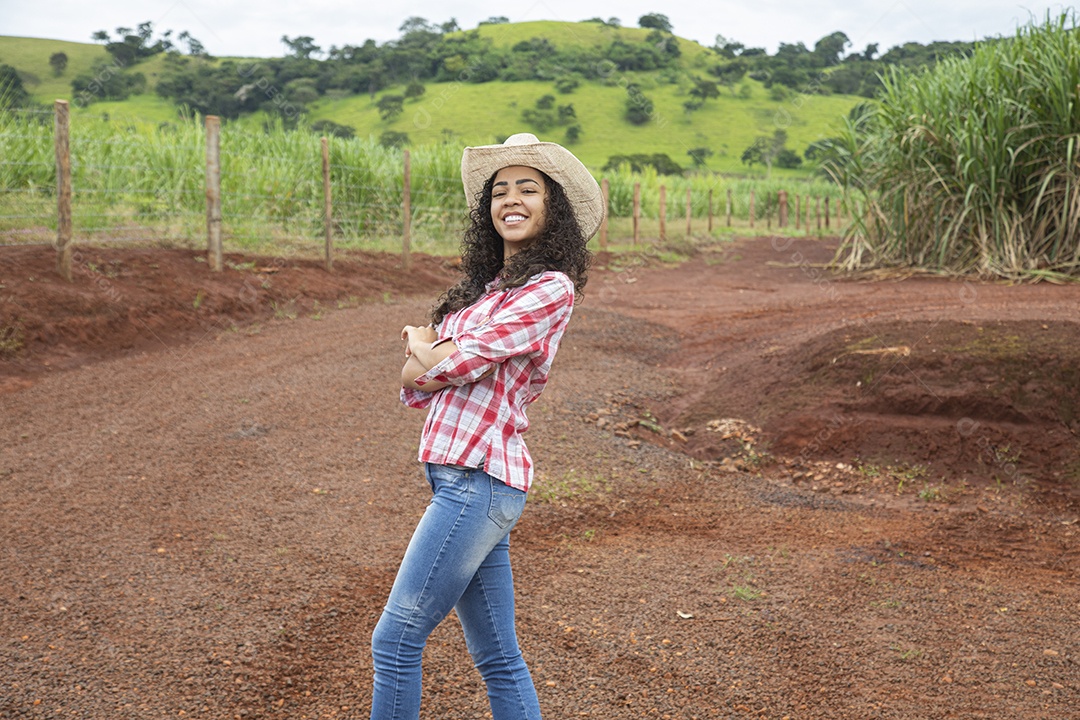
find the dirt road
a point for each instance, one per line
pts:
(764, 492)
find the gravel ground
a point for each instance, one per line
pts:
(209, 527)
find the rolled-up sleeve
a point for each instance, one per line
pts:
(522, 325)
(415, 398)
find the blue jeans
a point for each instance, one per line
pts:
(459, 557)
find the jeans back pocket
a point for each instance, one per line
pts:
(507, 504)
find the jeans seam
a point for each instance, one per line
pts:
(416, 608)
(502, 645)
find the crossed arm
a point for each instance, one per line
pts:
(420, 356)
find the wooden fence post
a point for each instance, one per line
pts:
(782, 202)
(729, 207)
(605, 190)
(807, 216)
(688, 209)
(213, 192)
(63, 189)
(751, 208)
(798, 211)
(406, 214)
(826, 213)
(328, 208)
(817, 212)
(710, 211)
(637, 212)
(663, 213)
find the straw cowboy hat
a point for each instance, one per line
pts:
(478, 164)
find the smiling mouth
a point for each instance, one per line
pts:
(515, 218)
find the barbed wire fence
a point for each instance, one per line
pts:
(270, 190)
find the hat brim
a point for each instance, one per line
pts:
(478, 164)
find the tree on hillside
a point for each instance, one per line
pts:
(301, 46)
(496, 20)
(195, 47)
(655, 21)
(58, 61)
(765, 150)
(700, 155)
(12, 92)
(106, 81)
(829, 48)
(727, 47)
(639, 109)
(731, 73)
(131, 46)
(390, 106)
(416, 24)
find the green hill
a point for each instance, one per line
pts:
(581, 35)
(481, 113)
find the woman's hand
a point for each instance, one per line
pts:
(414, 336)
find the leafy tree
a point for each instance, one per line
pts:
(546, 102)
(573, 134)
(704, 89)
(228, 90)
(765, 150)
(416, 24)
(195, 47)
(567, 84)
(414, 90)
(12, 92)
(728, 48)
(788, 159)
(331, 128)
(390, 106)
(639, 109)
(655, 21)
(829, 48)
(301, 46)
(391, 139)
(665, 43)
(58, 61)
(700, 155)
(106, 81)
(730, 73)
(663, 164)
(134, 45)
(496, 20)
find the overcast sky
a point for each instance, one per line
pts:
(254, 27)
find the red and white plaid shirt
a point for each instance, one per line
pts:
(478, 422)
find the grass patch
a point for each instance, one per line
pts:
(11, 340)
(568, 487)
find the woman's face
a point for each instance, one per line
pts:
(518, 205)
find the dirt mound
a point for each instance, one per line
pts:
(146, 299)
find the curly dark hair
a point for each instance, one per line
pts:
(561, 246)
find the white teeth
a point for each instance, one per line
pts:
(513, 218)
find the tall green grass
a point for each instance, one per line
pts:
(145, 181)
(975, 166)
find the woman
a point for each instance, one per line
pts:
(476, 368)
